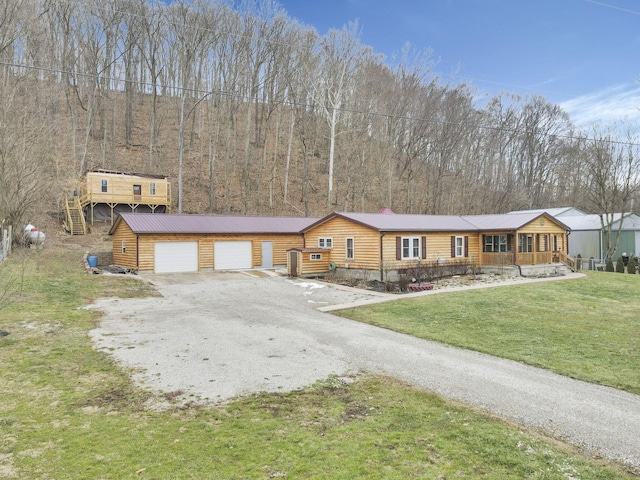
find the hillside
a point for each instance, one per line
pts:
(249, 112)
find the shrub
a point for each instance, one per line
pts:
(620, 265)
(403, 281)
(609, 267)
(631, 266)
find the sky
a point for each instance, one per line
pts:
(581, 54)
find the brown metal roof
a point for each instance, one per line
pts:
(141, 223)
(511, 221)
(437, 223)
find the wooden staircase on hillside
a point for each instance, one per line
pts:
(75, 222)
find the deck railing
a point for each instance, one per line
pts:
(567, 260)
(527, 258)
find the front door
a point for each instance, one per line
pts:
(267, 254)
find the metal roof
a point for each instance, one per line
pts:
(554, 212)
(141, 223)
(511, 221)
(630, 221)
(148, 223)
(439, 223)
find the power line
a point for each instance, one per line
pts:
(290, 103)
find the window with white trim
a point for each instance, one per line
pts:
(410, 248)
(152, 188)
(325, 242)
(104, 185)
(124, 246)
(316, 256)
(349, 247)
(459, 246)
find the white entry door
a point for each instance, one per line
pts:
(267, 254)
(232, 255)
(170, 257)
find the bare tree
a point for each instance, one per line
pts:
(614, 172)
(340, 56)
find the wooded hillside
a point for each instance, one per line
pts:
(249, 112)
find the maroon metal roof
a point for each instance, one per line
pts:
(405, 223)
(511, 221)
(211, 224)
(437, 223)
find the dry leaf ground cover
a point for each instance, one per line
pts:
(68, 412)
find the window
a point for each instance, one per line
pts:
(495, 243)
(525, 243)
(152, 188)
(104, 185)
(316, 256)
(325, 242)
(137, 190)
(124, 246)
(459, 246)
(349, 254)
(410, 247)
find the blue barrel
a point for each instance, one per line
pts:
(93, 261)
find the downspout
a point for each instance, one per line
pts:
(381, 258)
(515, 253)
(137, 252)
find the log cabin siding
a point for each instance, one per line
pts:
(129, 258)
(140, 250)
(366, 243)
(120, 189)
(438, 246)
(313, 267)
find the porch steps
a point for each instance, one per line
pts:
(75, 222)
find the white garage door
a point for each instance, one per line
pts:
(175, 257)
(230, 255)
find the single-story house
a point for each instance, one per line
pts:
(165, 243)
(380, 244)
(367, 242)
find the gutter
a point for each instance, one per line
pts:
(381, 258)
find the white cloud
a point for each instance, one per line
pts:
(607, 106)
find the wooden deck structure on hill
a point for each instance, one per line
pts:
(105, 193)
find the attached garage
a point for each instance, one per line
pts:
(164, 243)
(173, 257)
(232, 255)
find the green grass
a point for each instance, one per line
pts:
(586, 328)
(68, 412)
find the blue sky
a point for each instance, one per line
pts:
(581, 54)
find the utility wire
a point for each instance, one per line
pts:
(290, 103)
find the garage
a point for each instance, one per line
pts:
(232, 255)
(171, 257)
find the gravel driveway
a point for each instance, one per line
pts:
(217, 336)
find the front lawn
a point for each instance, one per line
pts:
(587, 328)
(68, 412)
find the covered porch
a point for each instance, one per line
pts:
(524, 249)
